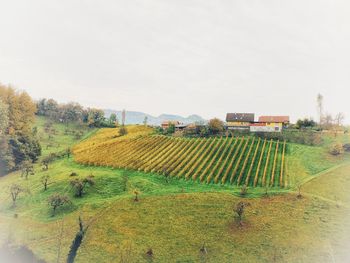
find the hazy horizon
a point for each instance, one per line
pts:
(184, 57)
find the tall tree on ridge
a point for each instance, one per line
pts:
(145, 120)
(123, 117)
(338, 122)
(320, 108)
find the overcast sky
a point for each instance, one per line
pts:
(182, 56)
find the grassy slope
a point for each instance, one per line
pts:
(61, 140)
(304, 161)
(176, 224)
(176, 218)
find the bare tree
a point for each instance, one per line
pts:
(339, 118)
(27, 169)
(123, 117)
(203, 249)
(48, 159)
(45, 180)
(136, 193)
(337, 122)
(56, 200)
(327, 121)
(299, 191)
(145, 121)
(79, 185)
(15, 190)
(320, 108)
(239, 210)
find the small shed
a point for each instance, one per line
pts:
(165, 124)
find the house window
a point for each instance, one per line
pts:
(277, 128)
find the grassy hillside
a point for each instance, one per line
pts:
(238, 161)
(175, 217)
(55, 137)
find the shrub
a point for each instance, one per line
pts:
(159, 130)
(123, 131)
(244, 190)
(203, 131)
(346, 147)
(305, 123)
(215, 126)
(78, 135)
(136, 193)
(336, 149)
(171, 129)
(48, 159)
(56, 200)
(79, 185)
(307, 137)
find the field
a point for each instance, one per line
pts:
(176, 217)
(226, 160)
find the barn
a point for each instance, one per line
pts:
(239, 121)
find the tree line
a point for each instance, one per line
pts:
(74, 112)
(19, 144)
(18, 141)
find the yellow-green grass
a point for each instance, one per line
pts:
(175, 219)
(333, 185)
(304, 162)
(62, 137)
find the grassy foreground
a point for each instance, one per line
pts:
(175, 218)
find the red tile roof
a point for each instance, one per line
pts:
(170, 122)
(282, 119)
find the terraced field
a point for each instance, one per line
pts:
(227, 160)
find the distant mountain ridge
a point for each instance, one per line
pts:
(136, 117)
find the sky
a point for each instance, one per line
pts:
(181, 57)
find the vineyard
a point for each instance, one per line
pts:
(227, 160)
